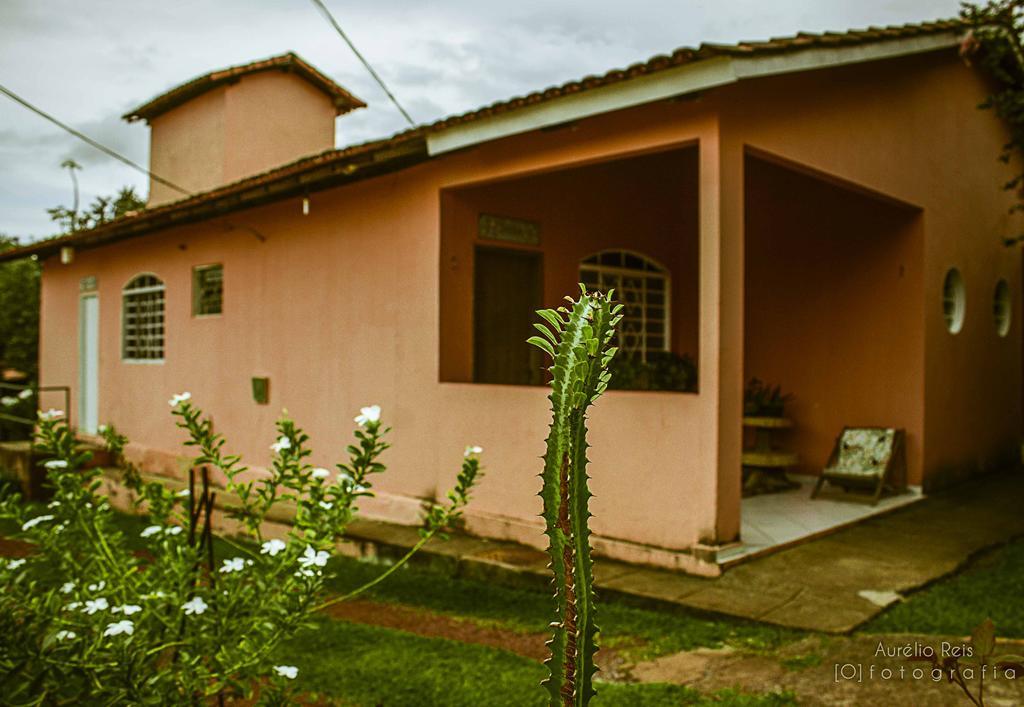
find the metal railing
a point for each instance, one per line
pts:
(35, 391)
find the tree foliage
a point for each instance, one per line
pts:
(19, 312)
(994, 42)
(103, 209)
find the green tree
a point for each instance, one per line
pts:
(19, 312)
(995, 42)
(103, 209)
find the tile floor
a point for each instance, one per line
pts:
(775, 520)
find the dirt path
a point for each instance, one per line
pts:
(432, 625)
(813, 669)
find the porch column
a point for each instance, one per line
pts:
(721, 326)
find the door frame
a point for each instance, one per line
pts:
(83, 416)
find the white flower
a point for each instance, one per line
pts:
(312, 558)
(98, 587)
(472, 451)
(320, 473)
(345, 478)
(196, 605)
(173, 530)
(178, 399)
(15, 564)
(235, 564)
(151, 530)
(287, 671)
(120, 627)
(127, 609)
(94, 605)
(9, 400)
(368, 414)
(73, 605)
(102, 429)
(67, 587)
(53, 504)
(359, 489)
(56, 464)
(272, 547)
(25, 394)
(282, 443)
(65, 635)
(29, 524)
(305, 573)
(183, 492)
(50, 414)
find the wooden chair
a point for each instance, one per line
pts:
(872, 458)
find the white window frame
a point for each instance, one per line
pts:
(658, 271)
(128, 291)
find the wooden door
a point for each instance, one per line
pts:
(506, 295)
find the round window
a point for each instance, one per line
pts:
(1002, 308)
(953, 301)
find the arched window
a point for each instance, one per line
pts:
(142, 319)
(640, 284)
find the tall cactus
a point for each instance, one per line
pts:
(578, 341)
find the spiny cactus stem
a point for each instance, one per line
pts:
(571, 629)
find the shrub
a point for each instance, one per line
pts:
(84, 619)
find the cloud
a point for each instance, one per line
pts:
(87, 64)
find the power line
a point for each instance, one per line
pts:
(330, 18)
(85, 138)
(117, 156)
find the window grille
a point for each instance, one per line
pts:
(643, 287)
(142, 323)
(207, 290)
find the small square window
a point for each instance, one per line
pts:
(207, 290)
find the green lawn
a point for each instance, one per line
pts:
(360, 664)
(373, 666)
(989, 588)
(643, 631)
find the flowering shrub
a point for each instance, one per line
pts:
(85, 620)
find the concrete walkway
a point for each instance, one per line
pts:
(815, 585)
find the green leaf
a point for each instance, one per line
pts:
(542, 344)
(983, 638)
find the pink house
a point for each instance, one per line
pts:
(823, 212)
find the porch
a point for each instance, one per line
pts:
(823, 261)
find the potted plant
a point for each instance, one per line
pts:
(763, 400)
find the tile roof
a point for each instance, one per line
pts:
(343, 100)
(404, 149)
(689, 55)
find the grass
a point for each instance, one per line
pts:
(374, 666)
(371, 665)
(988, 588)
(642, 632)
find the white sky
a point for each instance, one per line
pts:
(87, 62)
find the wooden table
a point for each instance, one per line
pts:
(764, 464)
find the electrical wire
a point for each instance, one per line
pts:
(88, 140)
(334, 23)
